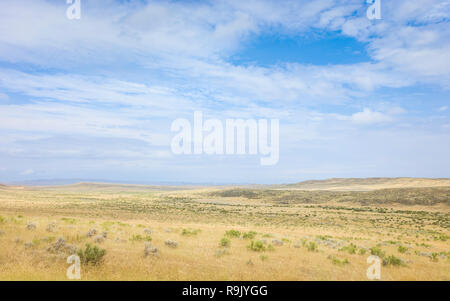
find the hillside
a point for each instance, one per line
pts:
(112, 187)
(366, 184)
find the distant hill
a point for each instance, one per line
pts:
(366, 184)
(334, 184)
(112, 187)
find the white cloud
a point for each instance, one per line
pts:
(367, 116)
(443, 109)
(27, 172)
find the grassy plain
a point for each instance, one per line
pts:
(226, 233)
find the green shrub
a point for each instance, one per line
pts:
(423, 245)
(249, 235)
(337, 261)
(69, 220)
(224, 242)
(434, 257)
(362, 251)
(138, 237)
(377, 252)
(2, 220)
(91, 255)
(311, 246)
(442, 237)
(190, 232)
(351, 249)
(323, 237)
(257, 246)
(402, 249)
(392, 260)
(233, 233)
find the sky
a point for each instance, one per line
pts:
(95, 97)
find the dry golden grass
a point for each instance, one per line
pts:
(124, 213)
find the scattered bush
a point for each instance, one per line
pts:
(69, 220)
(442, 237)
(377, 252)
(91, 232)
(51, 227)
(60, 246)
(138, 237)
(99, 239)
(392, 260)
(149, 249)
(224, 242)
(249, 235)
(257, 246)
(311, 246)
(91, 255)
(190, 232)
(171, 243)
(351, 248)
(233, 233)
(402, 249)
(277, 242)
(31, 226)
(221, 252)
(434, 257)
(338, 261)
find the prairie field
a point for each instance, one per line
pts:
(225, 233)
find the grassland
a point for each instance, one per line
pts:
(225, 233)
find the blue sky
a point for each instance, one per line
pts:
(94, 98)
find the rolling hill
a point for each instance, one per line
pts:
(366, 184)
